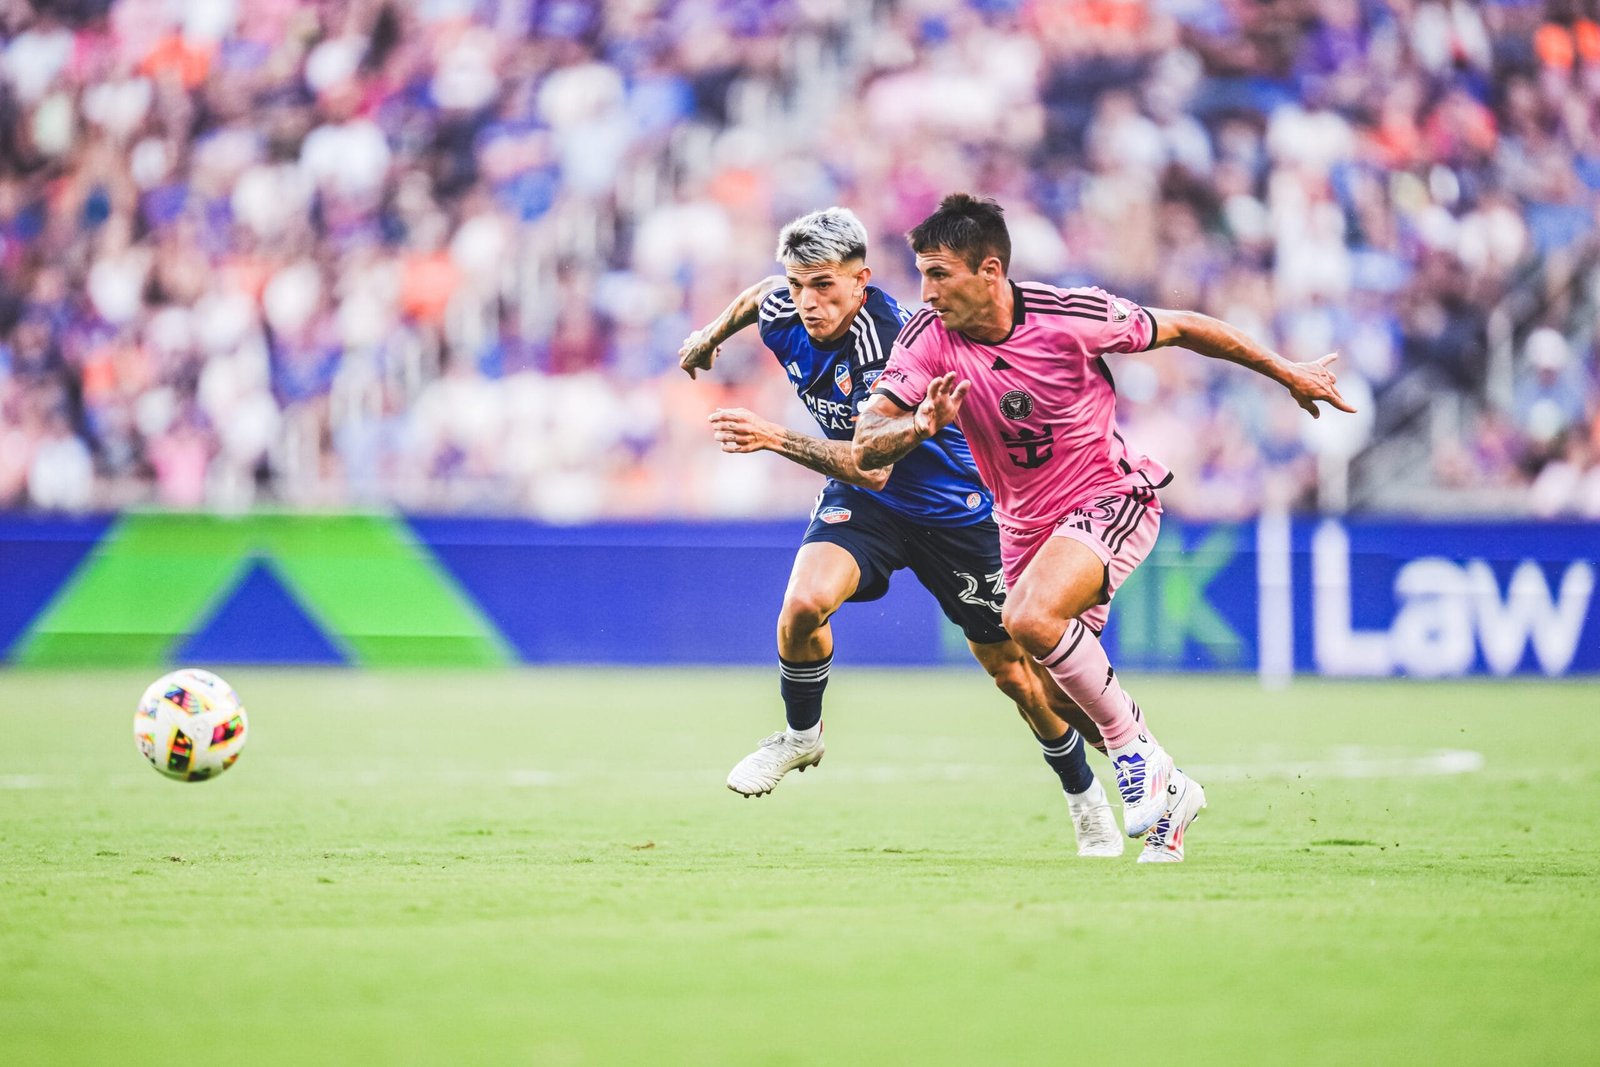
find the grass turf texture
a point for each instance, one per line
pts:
(544, 867)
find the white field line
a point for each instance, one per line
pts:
(33, 781)
(1344, 762)
(1352, 762)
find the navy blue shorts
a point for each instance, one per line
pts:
(959, 565)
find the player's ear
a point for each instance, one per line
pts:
(991, 269)
(863, 276)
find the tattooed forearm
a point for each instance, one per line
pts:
(832, 458)
(881, 440)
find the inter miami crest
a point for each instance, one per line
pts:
(1016, 405)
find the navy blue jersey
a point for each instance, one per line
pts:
(936, 482)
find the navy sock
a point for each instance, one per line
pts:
(801, 685)
(1065, 756)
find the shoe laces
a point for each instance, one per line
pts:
(782, 742)
(1130, 777)
(1088, 822)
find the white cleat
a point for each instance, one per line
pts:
(1094, 824)
(1143, 770)
(759, 773)
(1164, 844)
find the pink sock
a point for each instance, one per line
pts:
(1080, 667)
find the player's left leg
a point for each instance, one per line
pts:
(1018, 677)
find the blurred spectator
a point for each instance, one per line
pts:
(440, 255)
(1549, 404)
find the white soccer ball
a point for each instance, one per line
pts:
(190, 725)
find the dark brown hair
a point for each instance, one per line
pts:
(971, 227)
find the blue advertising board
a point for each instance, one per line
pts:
(1333, 597)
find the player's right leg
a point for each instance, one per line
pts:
(1092, 821)
(1018, 677)
(1065, 580)
(961, 567)
(823, 577)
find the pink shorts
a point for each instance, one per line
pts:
(1120, 528)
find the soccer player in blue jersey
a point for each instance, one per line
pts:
(832, 332)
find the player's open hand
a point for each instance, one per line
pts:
(739, 430)
(1316, 381)
(697, 352)
(939, 407)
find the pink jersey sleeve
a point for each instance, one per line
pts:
(1126, 327)
(913, 363)
(1106, 323)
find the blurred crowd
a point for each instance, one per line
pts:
(440, 254)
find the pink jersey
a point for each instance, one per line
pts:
(1041, 415)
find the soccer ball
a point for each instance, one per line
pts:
(190, 725)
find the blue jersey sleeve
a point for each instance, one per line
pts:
(776, 315)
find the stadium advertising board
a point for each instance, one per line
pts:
(1447, 599)
(1318, 596)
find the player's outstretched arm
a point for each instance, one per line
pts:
(739, 430)
(701, 348)
(1306, 382)
(885, 431)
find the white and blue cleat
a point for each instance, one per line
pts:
(1143, 771)
(1164, 843)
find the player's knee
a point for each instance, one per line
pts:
(1036, 631)
(805, 612)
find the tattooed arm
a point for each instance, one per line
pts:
(701, 348)
(885, 430)
(739, 430)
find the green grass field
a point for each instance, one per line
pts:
(544, 867)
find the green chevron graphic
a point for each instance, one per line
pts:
(1163, 606)
(375, 591)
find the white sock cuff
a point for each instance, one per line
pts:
(811, 672)
(1062, 745)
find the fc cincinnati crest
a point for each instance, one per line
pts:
(841, 378)
(1016, 405)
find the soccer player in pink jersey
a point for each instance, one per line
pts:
(930, 514)
(1022, 370)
